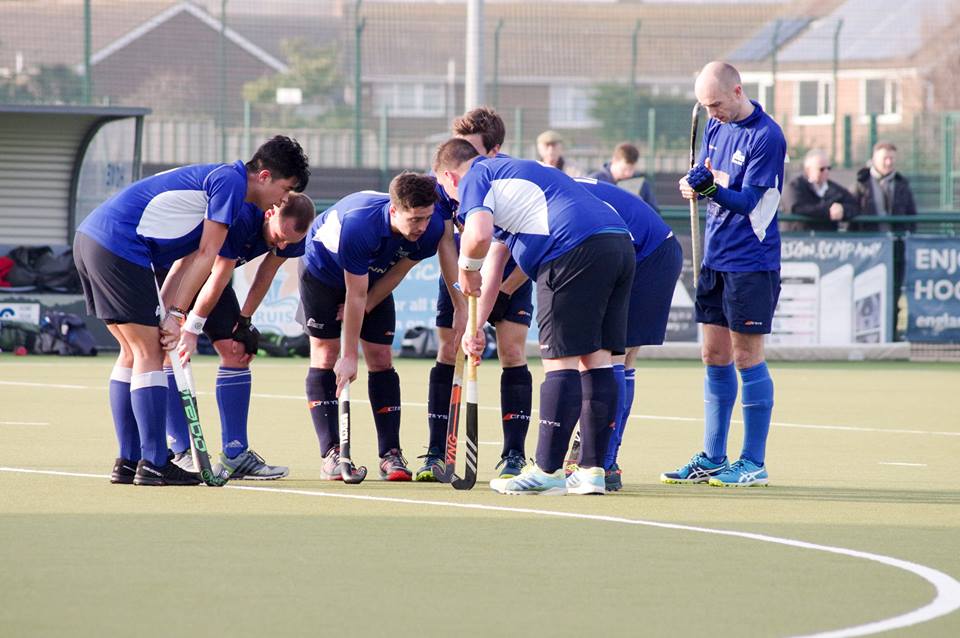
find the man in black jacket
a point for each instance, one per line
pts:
(881, 190)
(813, 195)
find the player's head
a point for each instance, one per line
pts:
(816, 166)
(289, 222)
(550, 148)
(451, 163)
(412, 196)
(624, 161)
(884, 157)
(720, 91)
(483, 128)
(278, 167)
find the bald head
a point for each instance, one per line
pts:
(719, 90)
(816, 166)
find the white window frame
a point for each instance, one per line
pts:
(563, 103)
(891, 87)
(763, 93)
(388, 93)
(820, 117)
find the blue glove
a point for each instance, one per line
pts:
(700, 179)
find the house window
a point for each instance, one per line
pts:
(758, 92)
(881, 97)
(411, 100)
(814, 98)
(571, 106)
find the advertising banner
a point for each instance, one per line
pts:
(932, 285)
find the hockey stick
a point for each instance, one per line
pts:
(453, 421)
(694, 209)
(574, 458)
(198, 444)
(350, 474)
(470, 476)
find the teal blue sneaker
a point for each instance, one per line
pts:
(698, 470)
(742, 473)
(532, 481)
(511, 464)
(433, 465)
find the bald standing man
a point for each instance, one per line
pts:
(739, 171)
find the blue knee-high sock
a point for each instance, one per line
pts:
(719, 395)
(324, 407)
(610, 456)
(178, 432)
(757, 406)
(516, 398)
(124, 422)
(148, 396)
(233, 399)
(560, 399)
(438, 405)
(598, 416)
(383, 388)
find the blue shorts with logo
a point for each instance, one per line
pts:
(519, 310)
(741, 301)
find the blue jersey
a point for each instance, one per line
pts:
(245, 240)
(538, 212)
(645, 225)
(752, 153)
(354, 235)
(160, 219)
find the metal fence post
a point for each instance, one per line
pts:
(359, 24)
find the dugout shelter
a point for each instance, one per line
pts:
(58, 163)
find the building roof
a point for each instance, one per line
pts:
(872, 30)
(203, 17)
(760, 46)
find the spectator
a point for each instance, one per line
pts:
(622, 166)
(813, 195)
(881, 190)
(550, 150)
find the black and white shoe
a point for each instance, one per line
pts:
(169, 474)
(123, 471)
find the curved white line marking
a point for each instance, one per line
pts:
(946, 601)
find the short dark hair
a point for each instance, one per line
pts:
(627, 152)
(453, 153)
(884, 145)
(482, 121)
(283, 157)
(413, 190)
(301, 209)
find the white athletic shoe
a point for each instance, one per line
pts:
(532, 481)
(587, 480)
(184, 460)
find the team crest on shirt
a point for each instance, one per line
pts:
(738, 158)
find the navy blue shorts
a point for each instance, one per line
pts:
(653, 284)
(583, 296)
(116, 290)
(223, 318)
(741, 301)
(318, 312)
(519, 310)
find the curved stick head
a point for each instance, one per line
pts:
(352, 475)
(694, 125)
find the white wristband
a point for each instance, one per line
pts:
(194, 323)
(468, 263)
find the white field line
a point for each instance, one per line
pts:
(648, 417)
(24, 423)
(946, 601)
